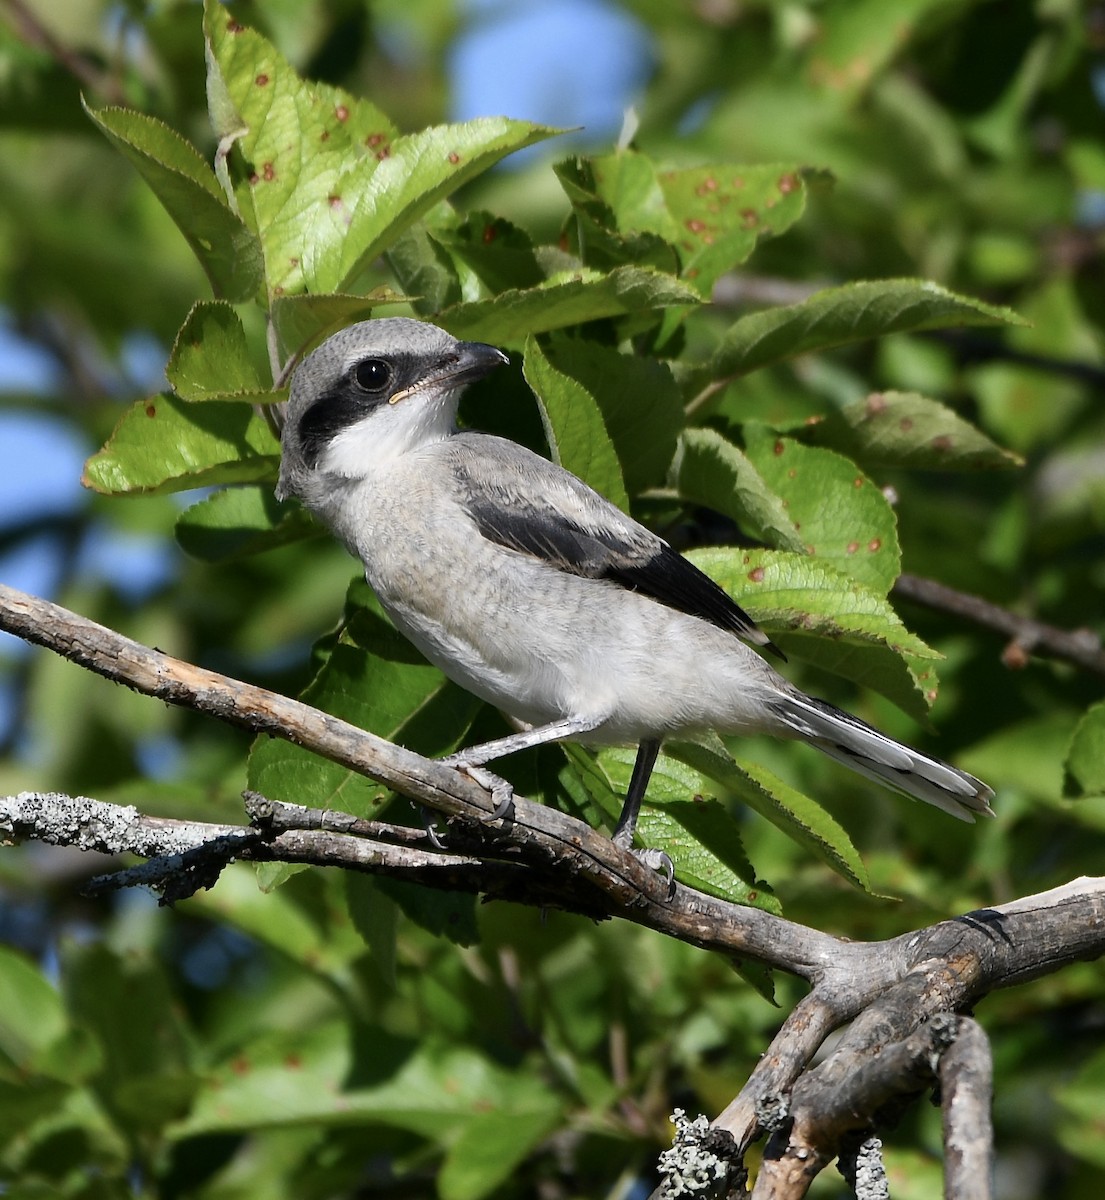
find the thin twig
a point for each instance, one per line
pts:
(34, 33)
(1081, 647)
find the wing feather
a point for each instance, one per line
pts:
(527, 504)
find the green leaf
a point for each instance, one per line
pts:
(163, 444)
(838, 316)
(376, 680)
(841, 515)
(683, 819)
(239, 521)
(330, 184)
(640, 404)
(443, 914)
(816, 614)
(278, 919)
(723, 210)
(493, 1144)
(796, 815)
(711, 471)
(1084, 774)
(376, 918)
(904, 429)
(210, 358)
(856, 40)
(423, 266)
(565, 299)
(574, 427)
(711, 216)
(228, 251)
(297, 141)
(309, 1076)
(31, 1013)
(303, 321)
(500, 254)
(594, 233)
(127, 1003)
(383, 201)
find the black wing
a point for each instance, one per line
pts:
(527, 504)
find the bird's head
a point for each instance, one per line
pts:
(371, 393)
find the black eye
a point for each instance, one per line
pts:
(372, 374)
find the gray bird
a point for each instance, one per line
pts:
(534, 592)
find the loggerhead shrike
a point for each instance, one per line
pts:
(531, 590)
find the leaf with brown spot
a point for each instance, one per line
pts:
(905, 429)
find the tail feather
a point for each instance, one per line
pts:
(863, 749)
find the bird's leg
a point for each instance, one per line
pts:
(627, 822)
(471, 759)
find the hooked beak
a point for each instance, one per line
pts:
(472, 361)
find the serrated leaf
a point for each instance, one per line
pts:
(376, 680)
(574, 427)
(840, 514)
(228, 251)
(163, 444)
(681, 818)
(905, 429)
(210, 357)
(566, 299)
(239, 521)
(710, 470)
(303, 321)
(373, 205)
(1084, 771)
(330, 183)
(711, 216)
(838, 316)
(816, 614)
(796, 815)
(423, 266)
(297, 141)
(593, 232)
(723, 210)
(640, 404)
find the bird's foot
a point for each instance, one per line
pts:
(655, 860)
(502, 791)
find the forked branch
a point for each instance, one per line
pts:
(900, 998)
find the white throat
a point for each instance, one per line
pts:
(389, 432)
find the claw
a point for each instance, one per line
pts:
(657, 860)
(502, 791)
(429, 824)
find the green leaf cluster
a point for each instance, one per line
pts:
(833, 313)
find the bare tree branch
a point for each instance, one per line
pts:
(585, 861)
(1082, 648)
(897, 997)
(966, 1087)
